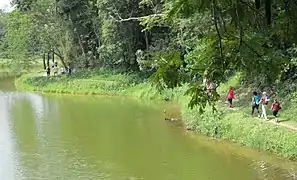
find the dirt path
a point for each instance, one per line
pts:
(281, 122)
(271, 121)
(285, 125)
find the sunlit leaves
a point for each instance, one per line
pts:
(167, 74)
(17, 37)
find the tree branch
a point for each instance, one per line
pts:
(57, 52)
(217, 28)
(252, 8)
(120, 19)
(246, 44)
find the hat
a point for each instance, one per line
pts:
(264, 93)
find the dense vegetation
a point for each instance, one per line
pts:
(171, 40)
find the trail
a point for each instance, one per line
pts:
(291, 127)
(271, 121)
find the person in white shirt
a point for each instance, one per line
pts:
(209, 86)
(63, 70)
(264, 101)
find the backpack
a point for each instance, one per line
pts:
(264, 101)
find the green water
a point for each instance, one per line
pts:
(104, 138)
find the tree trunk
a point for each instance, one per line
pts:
(61, 58)
(48, 59)
(44, 64)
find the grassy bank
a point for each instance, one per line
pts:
(239, 127)
(98, 82)
(235, 124)
(10, 70)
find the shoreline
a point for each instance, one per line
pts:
(229, 125)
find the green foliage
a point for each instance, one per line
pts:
(17, 38)
(176, 39)
(167, 75)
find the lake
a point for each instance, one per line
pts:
(53, 137)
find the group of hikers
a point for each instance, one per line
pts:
(55, 69)
(256, 101)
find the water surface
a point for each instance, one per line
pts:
(88, 138)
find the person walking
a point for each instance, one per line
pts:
(230, 96)
(255, 103)
(264, 101)
(275, 107)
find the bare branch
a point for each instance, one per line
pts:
(120, 19)
(55, 46)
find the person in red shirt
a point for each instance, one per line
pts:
(230, 96)
(275, 107)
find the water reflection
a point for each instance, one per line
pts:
(7, 163)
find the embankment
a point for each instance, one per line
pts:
(10, 70)
(234, 125)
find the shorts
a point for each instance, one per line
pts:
(275, 113)
(230, 100)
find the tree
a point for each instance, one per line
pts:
(19, 38)
(178, 39)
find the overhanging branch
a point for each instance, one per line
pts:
(245, 43)
(120, 19)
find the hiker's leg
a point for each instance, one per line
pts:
(230, 102)
(253, 109)
(264, 112)
(257, 106)
(275, 115)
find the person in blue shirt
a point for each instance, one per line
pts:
(255, 103)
